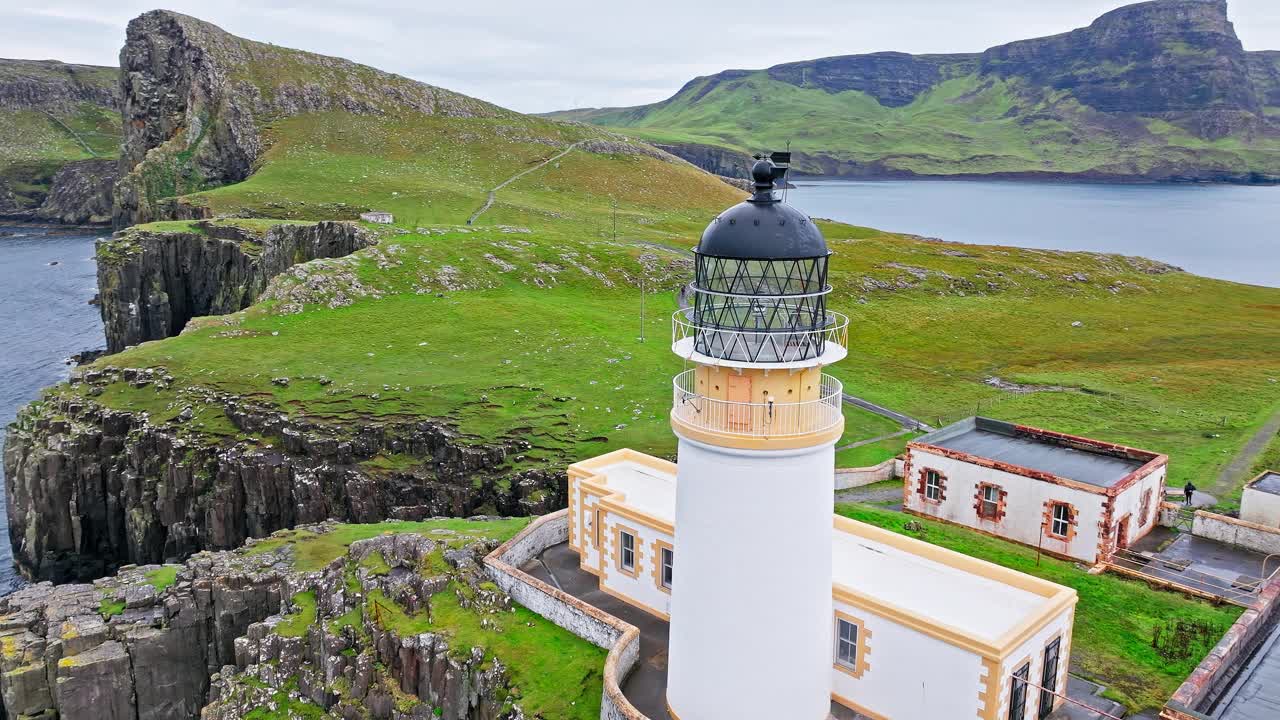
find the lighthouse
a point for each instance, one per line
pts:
(757, 421)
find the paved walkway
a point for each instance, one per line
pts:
(1239, 466)
(906, 421)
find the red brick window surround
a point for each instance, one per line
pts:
(1144, 508)
(931, 485)
(989, 501)
(1060, 520)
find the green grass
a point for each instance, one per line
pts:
(375, 563)
(163, 577)
(967, 124)
(314, 551)
(554, 674)
(110, 607)
(1114, 619)
(295, 624)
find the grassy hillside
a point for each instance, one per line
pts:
(1159, 90)
(526, 323)
(50, 114)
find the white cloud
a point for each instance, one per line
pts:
(552, 54)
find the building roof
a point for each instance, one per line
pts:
(1267, 482)
(762, 228)
(1100, 464)
(982, 601)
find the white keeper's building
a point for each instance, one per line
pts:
(1070, 496)
(777, 607)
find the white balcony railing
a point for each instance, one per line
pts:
(759, 420)
(764, 346)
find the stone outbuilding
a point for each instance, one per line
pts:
(378, 216)
(1260, 502)
(1070, 496)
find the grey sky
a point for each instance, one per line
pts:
(542, 55)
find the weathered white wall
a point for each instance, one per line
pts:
(1249, 535)
(1033, 649)
(1129, 502)
(910, 674)
(751, 604)
(1024, 504)
(643, 589)
(857, 477)
(1260, 507)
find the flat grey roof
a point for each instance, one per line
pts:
(995, 440)
(1269, 482)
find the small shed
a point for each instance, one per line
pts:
(378, 216)
(1260, 502)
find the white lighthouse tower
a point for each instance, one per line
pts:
(757, 422)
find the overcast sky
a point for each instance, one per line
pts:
(543, 55)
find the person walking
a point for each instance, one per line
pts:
(1188, 492)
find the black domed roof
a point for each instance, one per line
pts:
(762, 229)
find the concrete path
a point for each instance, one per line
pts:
(906, 421)
(868, 441)
(494, 192)
(1239, 466)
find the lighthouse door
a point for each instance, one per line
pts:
(740, 396)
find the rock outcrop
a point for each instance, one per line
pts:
(160, 642)
(90, 488)
(80, 193)
(194, 99)
(151, 282)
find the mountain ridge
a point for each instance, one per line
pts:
(1161, 90)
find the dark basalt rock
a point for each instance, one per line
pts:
(80, 194)
(152, 283)
(90, 489)
(893, 78)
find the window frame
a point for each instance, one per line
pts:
(666, 567)
(1018, 687)
(1067, 521)
(660, 550)
(1049, 678)
(621, 550)
(932, 485)
(859, 664)
(983, 490)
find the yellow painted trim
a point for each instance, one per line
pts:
(989, 694)
(672, 713)
(743, 442)
(658, 546)
(861, 665)
(861, 710)
(1029, 661)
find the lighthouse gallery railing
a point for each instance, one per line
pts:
(763, 420)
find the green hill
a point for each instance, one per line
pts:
(1160, 90)
(52, 113)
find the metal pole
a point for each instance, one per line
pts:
(1090, 708)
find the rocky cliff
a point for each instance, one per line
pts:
(152, 281)
(161, 642)
(53, 114)
(91, 488)
(196, 98)
(1160, 90)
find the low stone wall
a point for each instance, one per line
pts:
(621, 639)
(1242, 533)
(857, 477)
(1207, 681)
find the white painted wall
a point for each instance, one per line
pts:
(1253, 536)
(642, 589)
(910, 674)
(1033, 650)
(751, 605)
(1024, 504)
(1260, 507)
(1129, 501)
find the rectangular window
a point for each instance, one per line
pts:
(668, 563)
(989, 507)
(846, 643)
(1018, 693)
(1049, 678)
(598, 524)
(932, 485)
(627, 551)
(1061, 524)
